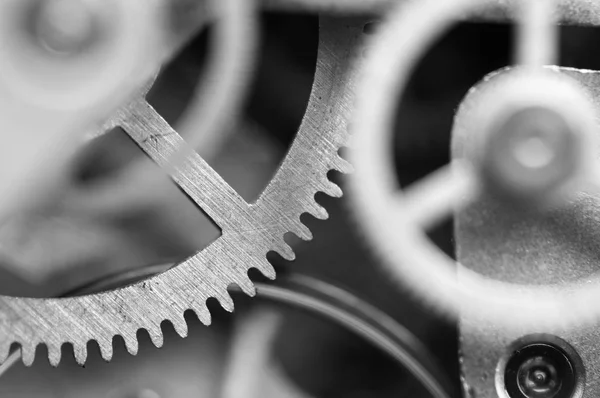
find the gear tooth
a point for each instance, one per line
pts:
(106, 350)
(301, 230)
(180, 326)
(131, 343)
(80, 353)
(242, 281)
(203, 313)
(246, 285)
(28, 354)
(156, 336)
(332, 189)
(342, 165)
(285, 251)
(226, 302)
(267, 269)
(318, 211)
(54, 355)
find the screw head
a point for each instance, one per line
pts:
(538, 377)
(540, 370)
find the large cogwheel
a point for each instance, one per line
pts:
(249, 230)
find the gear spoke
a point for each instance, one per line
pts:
(192, 174)
(537, 38)
(44, 102)
(434, 198)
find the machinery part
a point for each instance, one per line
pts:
(536, 137)
(249, 231)
(392, 221)
(192, 364)
(530, 155)
(540, 366)
(47, 98)
(222, 92)
(556, 248)
(216, 103)
(325, 300)
(71, 93)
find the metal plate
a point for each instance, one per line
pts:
(499, 241)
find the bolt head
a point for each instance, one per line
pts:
(540, 370)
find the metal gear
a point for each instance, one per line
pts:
(249, 230)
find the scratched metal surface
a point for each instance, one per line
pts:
(500, 242)
(249, 230)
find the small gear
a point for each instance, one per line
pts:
(249, 230)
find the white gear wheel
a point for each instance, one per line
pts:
(393, 221)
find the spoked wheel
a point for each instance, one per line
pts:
(534, 145)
